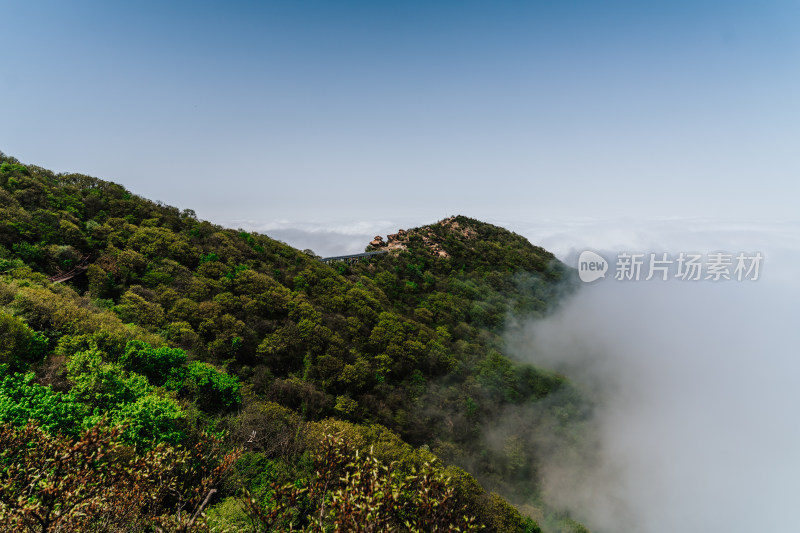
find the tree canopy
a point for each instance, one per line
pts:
(185, 335)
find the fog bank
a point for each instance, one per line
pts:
(697, 386)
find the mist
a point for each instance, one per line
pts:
(327, 238)
(696, 387)
(695, 384)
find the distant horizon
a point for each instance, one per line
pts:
(563, 235)
(298, 110)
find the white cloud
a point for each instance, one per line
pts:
(697, 387)
(696, 383)
(326, 238)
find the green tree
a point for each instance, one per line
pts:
(20, 344)
(212, 389)
(153, 363)
(22, 399)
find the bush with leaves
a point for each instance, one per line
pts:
(353, 491)
(107, 388)
(52, 482)
(153, 363)
(21, 400)
(212, 389)
(20, 344)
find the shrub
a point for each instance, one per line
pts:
(212, 389)
(20, 344)
(351, 490)
(21, 400)
(108, 389)
(153, 363)
(53, 482)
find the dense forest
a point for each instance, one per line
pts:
(188, 377)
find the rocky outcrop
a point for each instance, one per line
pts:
(451, 223)
(399, 241)
(396, 241)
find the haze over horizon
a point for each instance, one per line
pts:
(298, 111)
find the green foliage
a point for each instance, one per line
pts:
(103, 386)
(52, 482)
(351, 490)
(408, 340)
(107, 388)
(211, 256)
(20, 344)
(22, 399)
(505, 518)
(150, 419)
(7, 265)
(235, 271)
(346, 406)
(7, 168)
(212, 389)
(29, 253)
(134, 308)
(64, 314)
(153, 363)
(155, 242)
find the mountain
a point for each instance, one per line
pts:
(236, 376)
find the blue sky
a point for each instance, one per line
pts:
(255, 112)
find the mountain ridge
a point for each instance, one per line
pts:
(242, 331)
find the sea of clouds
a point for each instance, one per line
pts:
(696, 383)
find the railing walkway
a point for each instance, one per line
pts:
(353, 258)
(81, 267)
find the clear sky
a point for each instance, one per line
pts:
(311, 111)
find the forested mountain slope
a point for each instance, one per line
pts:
(233, 382)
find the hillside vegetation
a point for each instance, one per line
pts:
(196, 377)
